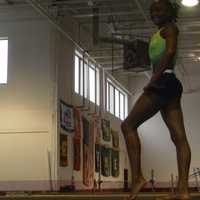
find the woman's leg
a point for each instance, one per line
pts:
(145, 107)
(173, 117)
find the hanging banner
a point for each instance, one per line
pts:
(85, 131)
(105, 161)
(77, 123)
(97, 157)
(91, 153)
(63, 150)
(77, 154)
(77, 139)
(85, 151)
(106, 130)
(115, 138)
(115, 163)
(66, 116)
(98, 131)
(86, 176)
(88, 152)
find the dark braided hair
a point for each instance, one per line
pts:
(173, 7)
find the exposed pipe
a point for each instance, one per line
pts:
(104, 14)
(114, 40)
(95, 25)
(81, 1)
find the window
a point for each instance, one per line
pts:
(92, 84)
(3, 60)
(77, 68)
(86, 78)
(117, 100)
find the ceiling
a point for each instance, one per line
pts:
(127, 20)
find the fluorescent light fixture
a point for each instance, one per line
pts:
(190, 3)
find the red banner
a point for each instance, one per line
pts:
(88, 153)
(77, 123)
(77, 154)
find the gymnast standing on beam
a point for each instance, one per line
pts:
(162, 93)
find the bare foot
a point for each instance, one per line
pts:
(175, 197)
(136, 188)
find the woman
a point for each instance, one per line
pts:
(162, 93)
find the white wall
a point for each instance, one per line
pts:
(26, 102)
(65, 57)
(40, 73)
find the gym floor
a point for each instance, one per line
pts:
(115, 196)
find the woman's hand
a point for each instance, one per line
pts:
(148, 86)
(152, 84)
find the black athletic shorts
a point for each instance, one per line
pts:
(167, 87)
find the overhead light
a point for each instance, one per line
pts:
(190, 3)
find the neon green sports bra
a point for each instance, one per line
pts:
(157, 47)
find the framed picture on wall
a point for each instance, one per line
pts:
(115, 163)
(105, 161)
(66, 116)
(115, 138)
(97, 157)
(105, 125)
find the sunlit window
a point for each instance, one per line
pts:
(111, 99)
(92, 84)
(117, 100)
(122, 106)
(97, 85)
(87, 85)
(86, 78)
(76, 74)
(3, 60)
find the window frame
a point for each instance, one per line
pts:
(84, 77)
(122, 113)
